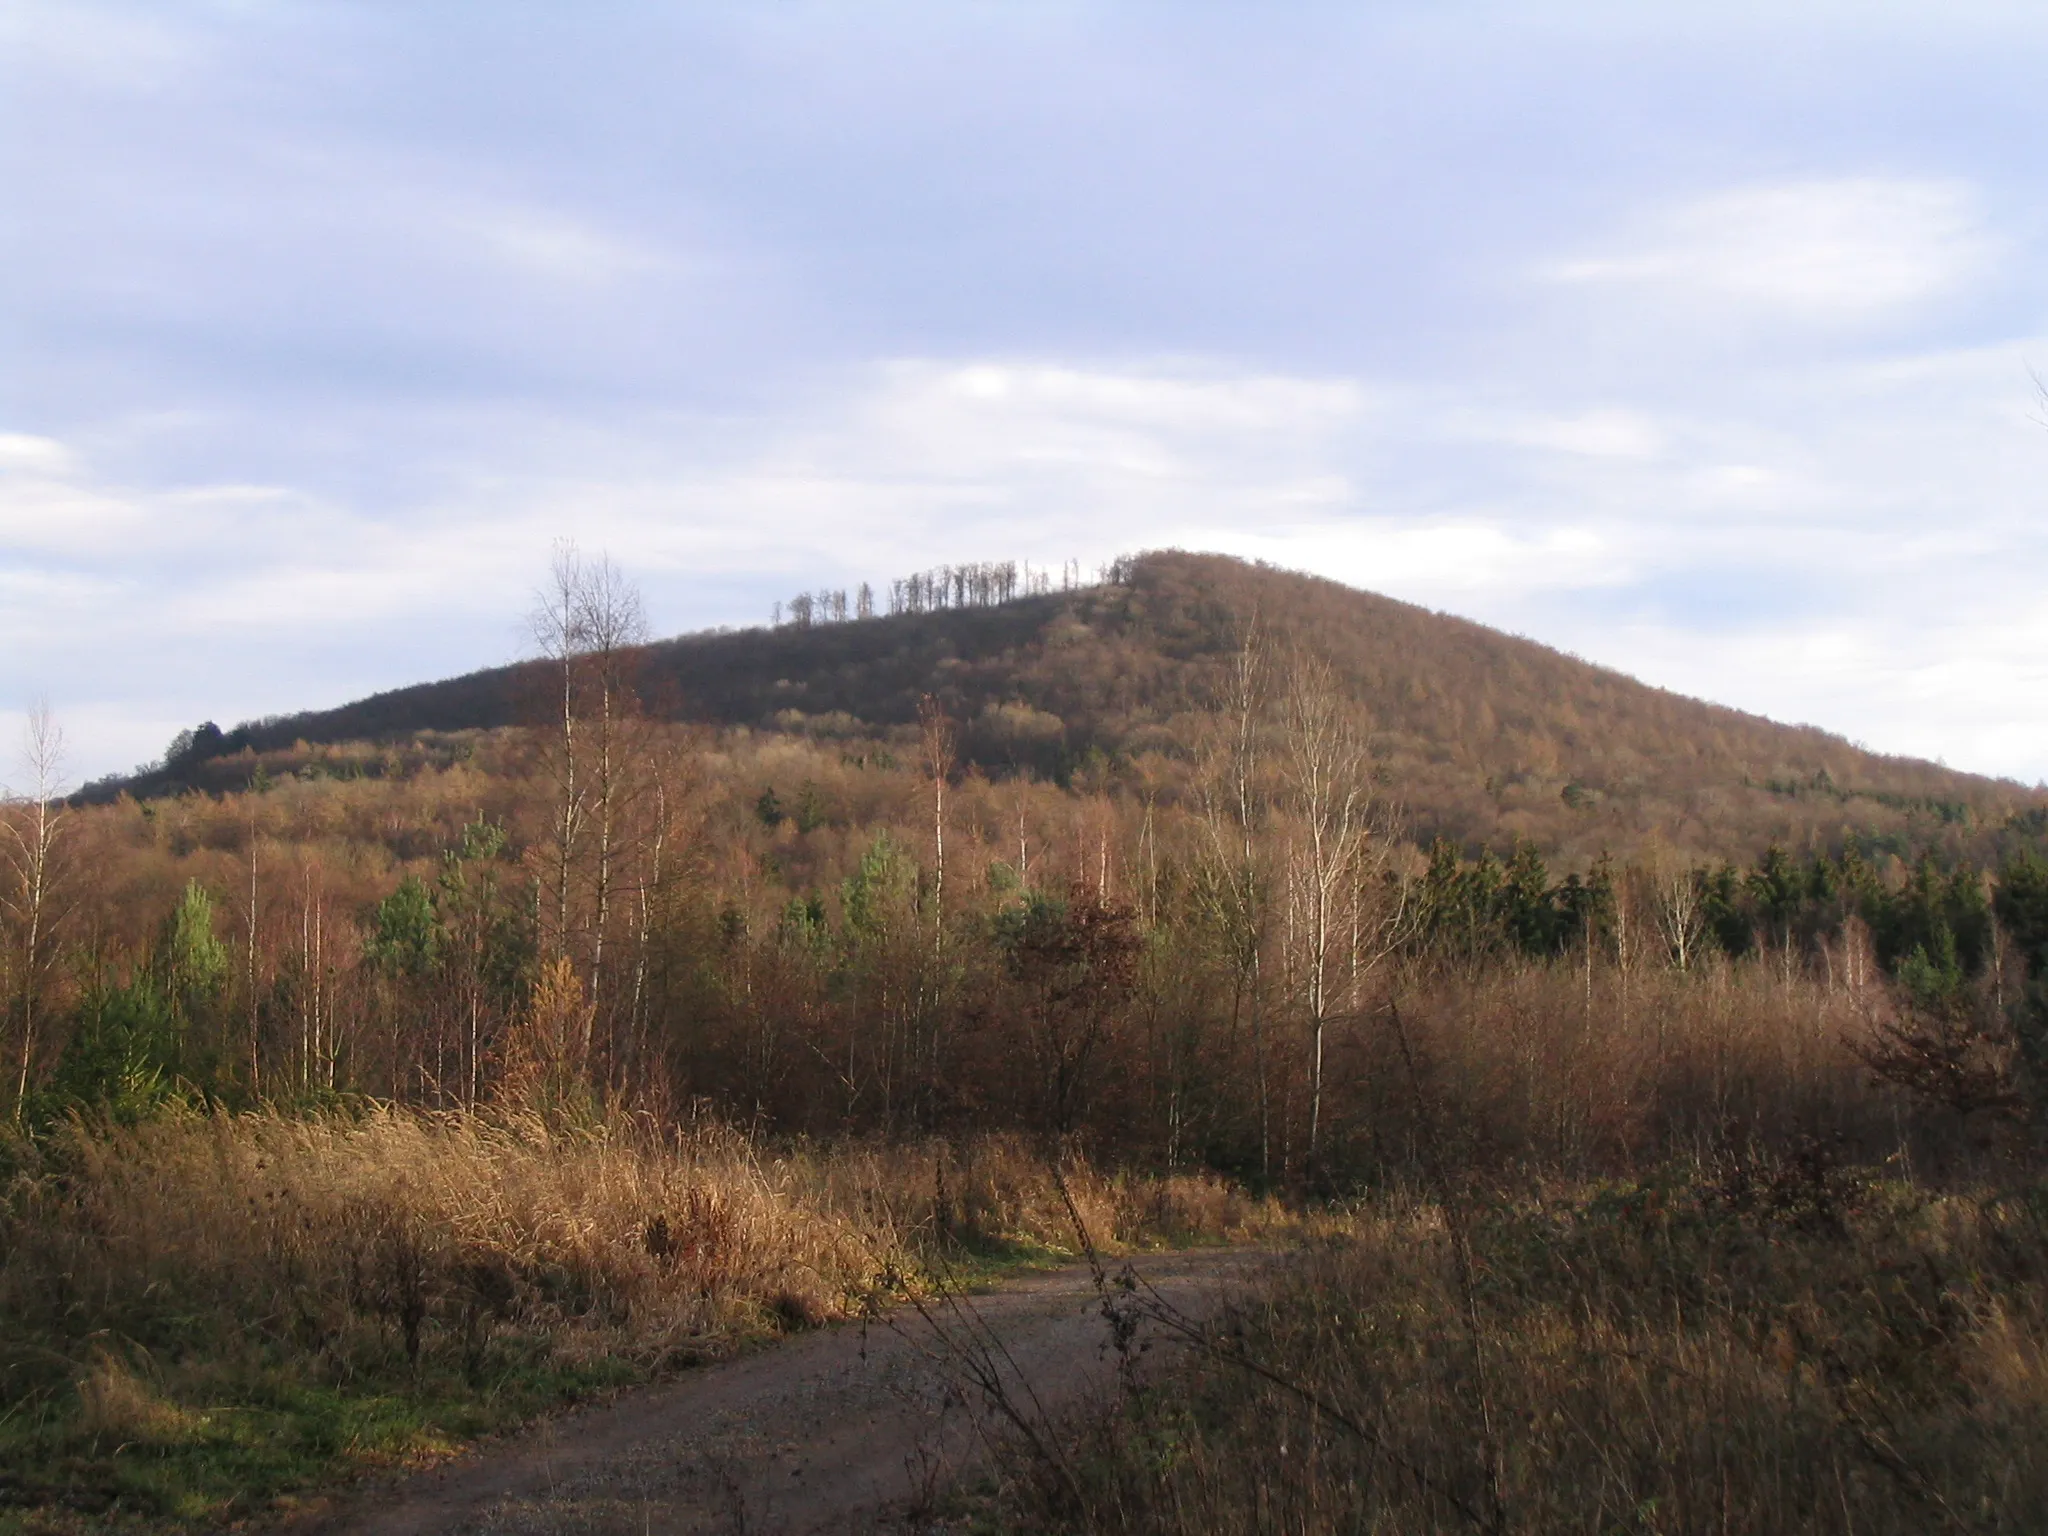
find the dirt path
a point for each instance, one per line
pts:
(854, 1429)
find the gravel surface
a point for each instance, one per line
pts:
(859, 1428)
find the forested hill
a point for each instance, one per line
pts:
(1484, 737)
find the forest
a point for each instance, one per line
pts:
(1206, 896)
(1489, 738)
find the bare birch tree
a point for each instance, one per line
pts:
(33, 825)
(937, 747)
(613, 625)
(1330, 795)
(1681, 915)
(586, 623)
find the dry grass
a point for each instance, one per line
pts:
(1753, 1348)
(116, 1404)
(160, 1283)
(1605, 1072)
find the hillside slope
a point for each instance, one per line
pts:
(1484, 737)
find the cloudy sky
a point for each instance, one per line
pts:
(1688, 338)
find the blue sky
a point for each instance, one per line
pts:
(1694, 340)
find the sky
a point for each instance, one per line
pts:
(1697, 340)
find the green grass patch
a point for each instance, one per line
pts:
(209, 1444)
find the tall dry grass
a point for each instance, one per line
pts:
(1605, 1071)
(157, 1280)
(420, 1228)
(1758, 1348)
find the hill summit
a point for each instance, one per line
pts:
(1485, 738)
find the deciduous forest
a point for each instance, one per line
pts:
(1660, 1054)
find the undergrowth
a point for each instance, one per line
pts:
(214, 1316)
(1756, 1346)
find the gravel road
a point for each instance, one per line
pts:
(852, 1429)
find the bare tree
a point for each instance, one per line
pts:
(613, 623)
(587, 622)
(1635, 899)
(33, 825)
(253, 998)
(1681, 915)
(1232, 814)
(556, 622)
(937, 748)
(1330, 795)
(671, 817)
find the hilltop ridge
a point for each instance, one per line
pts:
(1484, 737)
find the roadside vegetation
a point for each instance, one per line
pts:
(1755, 1346)
(210, 1315)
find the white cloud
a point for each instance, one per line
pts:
(98, 48)
(1954, 688)
(1604, 434)
(548, 244)
(1436, 563)
(1843, 248)
(1193, 400)
(20, 452)
(921, 461)
(59, 510)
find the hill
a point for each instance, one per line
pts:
(1485, 738)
